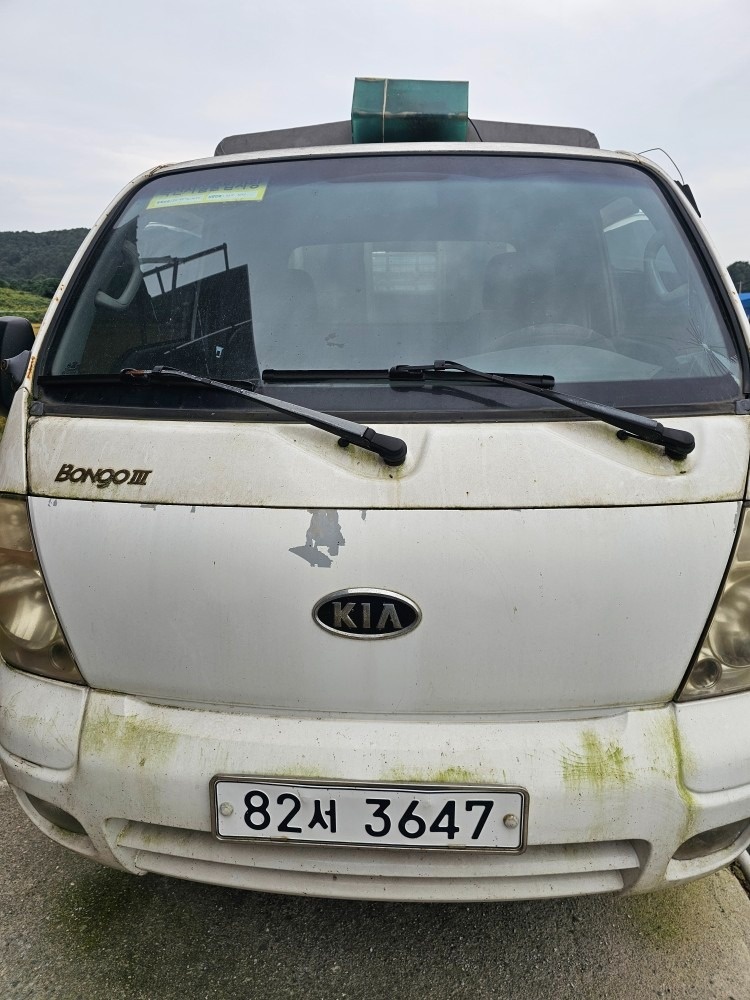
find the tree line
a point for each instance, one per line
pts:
(35, 262)
(739, 272)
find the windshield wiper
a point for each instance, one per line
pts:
(677, 444)
(391, 449)
(405, 372)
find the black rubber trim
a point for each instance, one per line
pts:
(479, 416)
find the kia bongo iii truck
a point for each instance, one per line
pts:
(373, 520)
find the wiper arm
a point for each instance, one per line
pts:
(677, 444)
(391, 449)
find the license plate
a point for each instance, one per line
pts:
(379, 815)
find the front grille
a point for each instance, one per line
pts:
(380, 873)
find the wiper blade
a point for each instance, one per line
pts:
(677, 444)
(391, 449)
(400, 372)
(410, 372)
(322, 374)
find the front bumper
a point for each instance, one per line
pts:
(611, 798)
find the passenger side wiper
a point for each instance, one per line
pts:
(391, 449)
(677, 444)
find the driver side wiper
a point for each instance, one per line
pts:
(677, 444)
(391, 449)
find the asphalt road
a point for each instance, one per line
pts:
(69, 930)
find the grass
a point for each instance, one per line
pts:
(15, 303)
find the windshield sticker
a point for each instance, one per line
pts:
(209, 196)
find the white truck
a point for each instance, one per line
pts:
(373, 521)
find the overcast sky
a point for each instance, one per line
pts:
(92, 93)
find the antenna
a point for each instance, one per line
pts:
(658, 149)
(685, 188)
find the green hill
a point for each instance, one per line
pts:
(17, 303)
(31, 266)
(24, 255)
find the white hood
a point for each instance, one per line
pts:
(555, 566)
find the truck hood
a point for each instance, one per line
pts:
(556, 568)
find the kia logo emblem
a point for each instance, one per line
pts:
(366, 614)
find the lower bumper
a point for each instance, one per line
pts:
(611, 798)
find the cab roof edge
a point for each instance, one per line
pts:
(340, 134)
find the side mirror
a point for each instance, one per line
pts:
(16, 341)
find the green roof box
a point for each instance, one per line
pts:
(409, 110)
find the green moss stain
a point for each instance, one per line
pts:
(299, 771)
(443, 776)
(130, 737)
(596, 764)
(682, 762)
(391, 471)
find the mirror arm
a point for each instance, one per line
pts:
(16, 367)
(16, 342)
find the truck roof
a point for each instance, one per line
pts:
(340, 134)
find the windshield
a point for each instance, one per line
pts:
(569, 267)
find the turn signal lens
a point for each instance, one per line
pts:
(30, 635)
(722, 665)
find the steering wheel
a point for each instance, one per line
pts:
(130, 290)
(562, 334)
(653, 276)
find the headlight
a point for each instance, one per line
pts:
(30, 635)
(722, 665)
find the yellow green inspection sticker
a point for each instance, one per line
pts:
(209, 196)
